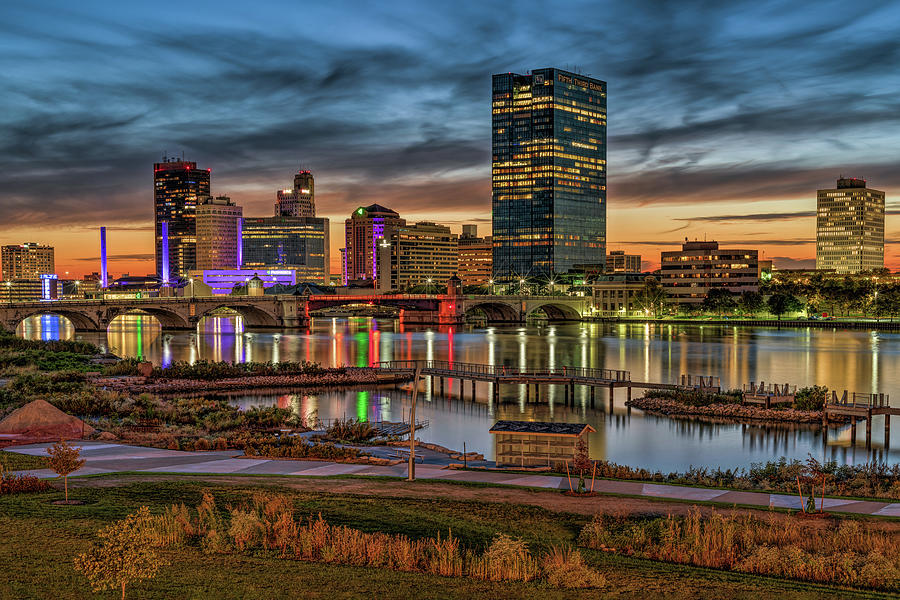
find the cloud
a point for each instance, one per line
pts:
(787, 262)
(711, 105)
(111, 257)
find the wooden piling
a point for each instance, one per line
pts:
(593, 389)
(853, 431)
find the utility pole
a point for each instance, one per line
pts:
(412, 425)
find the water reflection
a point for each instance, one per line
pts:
(840, 359)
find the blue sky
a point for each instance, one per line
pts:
(724, 118)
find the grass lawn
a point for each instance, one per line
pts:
(13, 461)
(37, 560)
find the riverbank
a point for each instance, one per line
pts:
(668, 407)
(865, 324)
(327, 378)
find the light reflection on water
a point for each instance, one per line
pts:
(841, 359)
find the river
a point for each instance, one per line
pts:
(854, 360)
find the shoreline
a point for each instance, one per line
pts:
(331, 378)
(673, 408)
(787, 323)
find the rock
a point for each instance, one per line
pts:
(107, 436)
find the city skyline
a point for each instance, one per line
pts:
(717, 124)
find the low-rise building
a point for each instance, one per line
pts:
(689, 274)
(616, 295)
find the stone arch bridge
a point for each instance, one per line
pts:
(294, 311)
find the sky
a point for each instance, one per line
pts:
(723, 117)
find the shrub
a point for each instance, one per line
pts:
(15, 483)
(297, 447)
(351, 430)
(564, 567)
(811, 398)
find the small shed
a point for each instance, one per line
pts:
(535, 444)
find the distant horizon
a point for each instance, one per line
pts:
(723, 120)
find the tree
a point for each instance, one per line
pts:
(652, 297)
(124, 553)
(581, 462)
(719, 300)
(780, 303)
(65, 459)
(751, 302)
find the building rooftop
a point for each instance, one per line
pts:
(541, 428)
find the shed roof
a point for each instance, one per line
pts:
(541, 428)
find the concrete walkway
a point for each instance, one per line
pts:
(112, 458)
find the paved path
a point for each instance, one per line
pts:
(111, 458)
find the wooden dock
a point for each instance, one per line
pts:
(569, 377)
(768, 395)
(861, 405)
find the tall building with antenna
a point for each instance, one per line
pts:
(299, 201)
(178, 186)
(548, 174)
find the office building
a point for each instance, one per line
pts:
(476, 257)
(850, 227)
(300, 243)
(619, 262)
(689, 274)
(26, 261)
(218, 234)
(178, 186)
(44, 287)
(362, 232)
(300, 200)
(548, 173)
(418, 255)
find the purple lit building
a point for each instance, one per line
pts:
(223, 281)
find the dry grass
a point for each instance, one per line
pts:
(268, 523)
(844, 553)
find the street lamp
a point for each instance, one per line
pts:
(521, 286)
(191, 281)
(491, 288)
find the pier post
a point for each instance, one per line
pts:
(537, 393)
(887, 431)
(442, 387)
(473, 390)
(853, 431)
(593, 389)
(612, 393)
(628, 397)
(527, 392)
(462, 388)
(566, 396)
(869, 431)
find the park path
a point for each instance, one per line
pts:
(102, 458)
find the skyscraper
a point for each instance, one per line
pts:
(548, 173)
(178, 186)
(299, 201)
(218, 234)
(365, 227)
(299, 243)
(850, 227)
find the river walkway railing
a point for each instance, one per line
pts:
(567, 376)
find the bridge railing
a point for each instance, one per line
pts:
(463, 368)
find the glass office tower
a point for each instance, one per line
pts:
(178, 186)
(300, 243)
(850, 227)
(548, 174)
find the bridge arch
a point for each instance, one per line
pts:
(79, 320)
(168, 319)
(253, 316)
(556, 311)
(495, 311)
